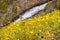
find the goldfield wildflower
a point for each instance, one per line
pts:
(19, 29)
(17, 25)
(13, 30)
(18, 39)
(53, 38)
(6, 34)
(32, 32)
(47, 33)
(27, 32)
(9, 28)
(14, 23)
(58, 17)
(7, 38)
(40, 31)
(46, 22)
(59, 21)
(43, 19)
(47, 16)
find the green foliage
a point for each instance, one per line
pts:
(58, 4)
(14, 9)
(3, 6)
(5, 22)
(47, 6)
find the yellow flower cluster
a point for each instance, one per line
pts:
(47, 33)
(38, 26)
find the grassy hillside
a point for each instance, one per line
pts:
(39, 27)
(9, 9)
(3, 6)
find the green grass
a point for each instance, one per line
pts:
(3, 6)
(37, 28)
(14, 9)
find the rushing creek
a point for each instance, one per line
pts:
(31, 12)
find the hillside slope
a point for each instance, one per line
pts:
(11, 8)
(46, 27)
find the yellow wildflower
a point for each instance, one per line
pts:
(40, 31)
(58, 17)
(19, 29)
(47, 33)
(17, 25)
(46, 22)
(7, 38)
(6, 34)
(59, 21)
(47, 16)
(31, 32)
(52, 38)
(9, 27)
(43, 19)
(17, 39)
(13, 30)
